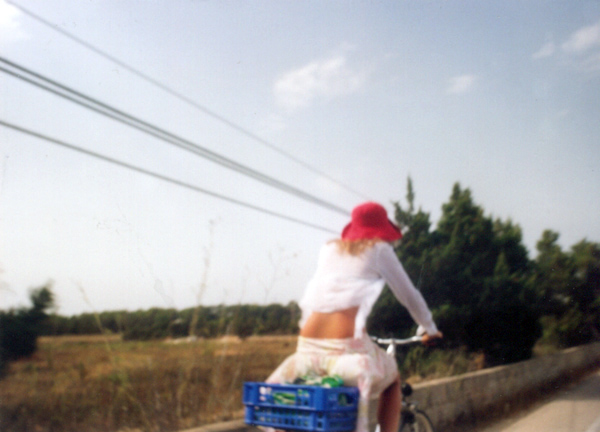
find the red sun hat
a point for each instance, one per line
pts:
(370, 221)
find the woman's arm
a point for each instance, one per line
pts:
(392, 271)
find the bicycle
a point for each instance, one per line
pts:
(294, 411)
(413, 419)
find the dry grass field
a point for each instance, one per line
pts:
(95, 383)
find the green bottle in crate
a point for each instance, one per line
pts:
(332, 381)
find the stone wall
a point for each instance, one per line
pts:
(471, 397)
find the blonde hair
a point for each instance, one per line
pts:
(356, 247)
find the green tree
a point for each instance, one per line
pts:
(20, 328)
(244, 321)
(504, 325)
(472, 271)
(552, 276)
(568, 287)
(586, 288)
(484, 266)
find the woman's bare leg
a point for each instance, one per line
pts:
(388, 410)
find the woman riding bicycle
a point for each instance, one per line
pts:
(350, 275)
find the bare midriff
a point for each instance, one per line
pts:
(331, 325)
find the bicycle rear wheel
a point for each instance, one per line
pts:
(415, 421)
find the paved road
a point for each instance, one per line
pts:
(574, 409)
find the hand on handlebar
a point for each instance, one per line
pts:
(433, 339)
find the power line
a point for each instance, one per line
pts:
(159, 176)
(185, 99)
(93, 104)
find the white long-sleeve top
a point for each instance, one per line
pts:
(343, 281)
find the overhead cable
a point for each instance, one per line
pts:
(160, 176)
(185, 99)
(93, 104)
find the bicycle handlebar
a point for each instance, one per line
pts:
(389, 341)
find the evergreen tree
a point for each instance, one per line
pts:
(553, 275)
(472, 272)
(586, 289)
(20, 328)
(568, 287)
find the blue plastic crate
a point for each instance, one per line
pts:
(301, 407)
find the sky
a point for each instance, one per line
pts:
(341, 100)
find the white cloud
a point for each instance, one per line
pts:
(546, 50)
(583, 39)
(319, 79)
(461, 84)
(10, 28)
